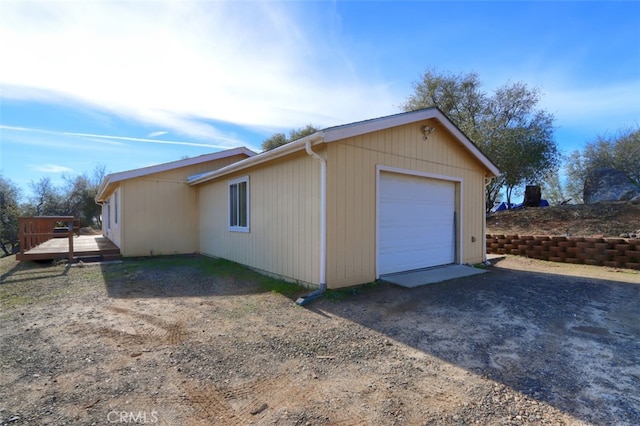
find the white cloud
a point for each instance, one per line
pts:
(176, 63)
(589, 104)
(51, 168)
(156, 134)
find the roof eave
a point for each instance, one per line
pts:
(356, 129)
(114, 178)
(281, 151)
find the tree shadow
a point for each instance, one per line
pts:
(571, 342)
(26, 271)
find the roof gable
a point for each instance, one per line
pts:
(336, 133)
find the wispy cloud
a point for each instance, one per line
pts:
(577, 105)
(177, 64)
(144, 140)
(110, 139)
(51, 168)
(156, 134)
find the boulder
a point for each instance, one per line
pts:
(609, 185)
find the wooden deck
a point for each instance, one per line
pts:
(88, 248)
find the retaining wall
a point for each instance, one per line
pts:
(612, 252)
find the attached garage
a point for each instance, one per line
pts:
(417, 225)
(349, 203)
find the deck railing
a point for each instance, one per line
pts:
(39, 229)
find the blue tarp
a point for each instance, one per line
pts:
(504, 206)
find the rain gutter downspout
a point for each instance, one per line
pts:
(487, 181)
(323, 226)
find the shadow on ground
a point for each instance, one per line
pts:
(32, 271)
(181, 276)
(571, 342)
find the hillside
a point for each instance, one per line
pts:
(601, 219)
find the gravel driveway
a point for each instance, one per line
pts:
(199, 341)
(568, 341)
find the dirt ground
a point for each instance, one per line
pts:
(197, 341)
(580, 220)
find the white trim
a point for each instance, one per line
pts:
(383, 168)
(459, 216)
(116, 208)
(263, 157)
(332, 134)
(323, 213)
(238, 228)
(350, 130)
(106, 212)
(114, 178)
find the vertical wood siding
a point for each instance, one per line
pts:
(158, 212)
(351, 194)
(283, 238)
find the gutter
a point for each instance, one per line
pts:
(323, 226)
(487, 181)
(263, 157)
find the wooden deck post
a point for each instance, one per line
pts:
(70, 231)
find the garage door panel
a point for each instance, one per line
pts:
(415, 222)
(414, 215)
(407, 236)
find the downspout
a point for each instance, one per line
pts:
(323, 227)
(487, 181)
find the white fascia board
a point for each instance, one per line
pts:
(376, 124)
(263, 157)
(355, 129)
(114, 178)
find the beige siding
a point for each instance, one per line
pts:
(111, 229)
(159, 211)
(351, 194)
(284, 219)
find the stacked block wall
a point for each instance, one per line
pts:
(612, 252)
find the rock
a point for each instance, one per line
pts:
(609, 185)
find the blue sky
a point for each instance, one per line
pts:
(130, 84)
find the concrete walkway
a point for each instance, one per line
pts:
(421, 277)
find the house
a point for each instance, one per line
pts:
(347, 204)
(338, 208)
(152, 210)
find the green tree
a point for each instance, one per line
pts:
(279, 139)
(575, 171)
(47, 199)
(80, 193)
(553, 190)
(459, 96)
(76, 197)
(10, 211)
(506, 125)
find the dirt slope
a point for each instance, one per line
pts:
(602, 219)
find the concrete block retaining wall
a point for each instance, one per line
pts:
(612, 252)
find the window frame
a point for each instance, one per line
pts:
(116, 196)
(234, 211)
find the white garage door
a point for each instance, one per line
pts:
(416, 224)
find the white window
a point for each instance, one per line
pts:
(239, 204)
